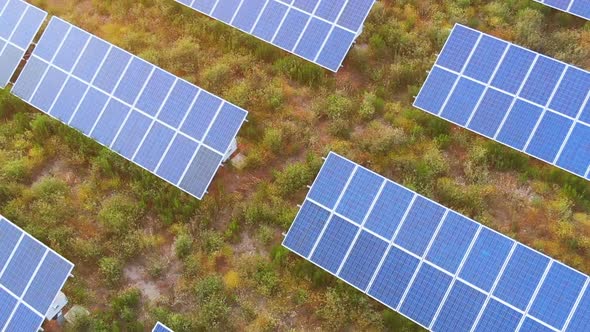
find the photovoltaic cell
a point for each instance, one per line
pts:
(162, 123)
(521, 276)
(319, 31)
(442, 270)
(31, 274)
(460, 309)
(525, 100)
(580, 8)
(498, 317)
(19, 23)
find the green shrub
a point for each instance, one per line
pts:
(111, 269)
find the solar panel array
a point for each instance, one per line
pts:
(19, 23)
(515, 96)
(320, 31)
(431, 264)
(31, 276)
(160, 122)
(161, 328)
(579, 8)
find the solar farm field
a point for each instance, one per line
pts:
(204, 251)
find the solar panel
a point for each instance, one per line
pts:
(31, 276)
(162, 123)
(320, 31)
(19, 23)
(579, 8)
(435, 266)
(161, 328)
(522, 99)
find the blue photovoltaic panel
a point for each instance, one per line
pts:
(426, 294)
(385, 217)
(460, 309)
(336, 240)
(521, 276)
(452, 242)
(580, 8)
(320, 31)
(331, 181)
(159, 327)
(419, 226)
(30, 273)
(581, 318)
(441, 269)
(485, 259)
(515, 96)
(363, 188)
(363, 260)
(393, 278)
(19, 23)
(557, 295)
(309, 224)
(160, 122)
(497, 317)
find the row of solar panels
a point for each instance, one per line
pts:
(162, 123)
(433, 265)
(320, 31)
(579, 8)
(31, 276)
(523, 99)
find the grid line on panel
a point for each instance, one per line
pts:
(576, 305)
(49, 66)
(572, 127)
(487, 86)
(133, 107)
(339, 215)
(12, 254)
(361, 228)
(89, 85)
(497, 89)
(545, 109)
(69, 75)
(455, 276)
(154, 119)
(236, 12)
(581, 13)
(391, 243)
(496, 282)
(311, 18)
(214, 7)
(530, 304)
(274, 36)
(332, 212)
(516, 97)
(474, 47)
(251, 31)
(422, 262)
(33, 276)
(178, 131)
(110, 96)
(314, 15)
(8, 41)
(321, 49)
(196, 150)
